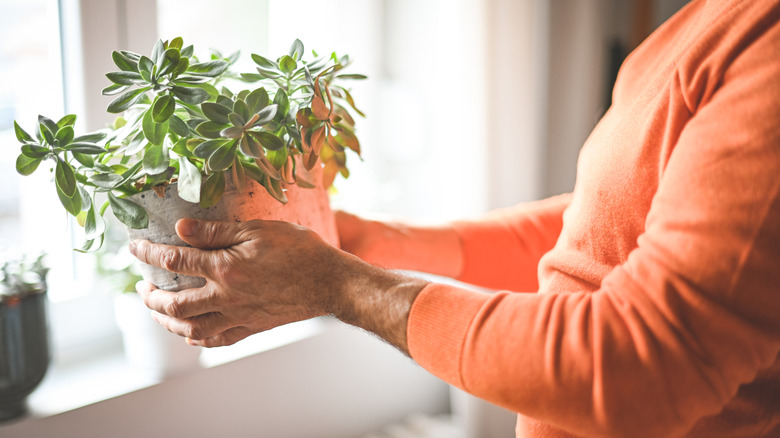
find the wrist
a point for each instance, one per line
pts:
(376, 300)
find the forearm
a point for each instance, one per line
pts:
(376, 300)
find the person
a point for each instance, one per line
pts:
(657, 280)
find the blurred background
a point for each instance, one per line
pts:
(471, 105)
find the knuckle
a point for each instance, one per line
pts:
(170, 260)
(193, 331)
(175, 308)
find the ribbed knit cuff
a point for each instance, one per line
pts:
(438, 324)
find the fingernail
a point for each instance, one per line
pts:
(132, 246)
(187, 228)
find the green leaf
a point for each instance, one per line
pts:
(35, 151)
(296, 50)
(242, 110)
(136, 144)
(187, 51)
(208, 88)
(274, 188)
(212, 189)
(145, 65)
(236, 119)
(85, 160)
(264, 62)
(251, 77)
(46, 133)
(124, 62)
(257, 100)
(170, 60)
(26, 165)
(153, 131)
(106, 180)
(250, 147)
(180, 148)
(49, 124)
(210, 129)
(86, 201)
(223, 157)
(71, 203)
(178, 126)
(190, 95)
(85, 148)
(128, 212)
(208, 147)
(64, 135)
(67, 120)
(126, 100)
(124, 77)
(114, 89)
(268, 140)
(232, 132)
(278, 157)
(266, 115)
(92, 137)
(216, 112)
(65, 178)
(163, 108)
(181, 67)
(94, 225)
(352, 76)
(176, 43)
(189, 180)
(155, 159)
(209, 68)
(282, 104)
(192, 79)
(21, 134)
(287, 65)
(157, 52)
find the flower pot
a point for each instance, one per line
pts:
(24, 350)
(306, 207)
(148, 346)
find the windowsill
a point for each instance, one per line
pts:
(75, 385)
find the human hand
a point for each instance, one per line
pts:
(259, 274)
(262, 274)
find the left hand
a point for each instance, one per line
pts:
(259, 275)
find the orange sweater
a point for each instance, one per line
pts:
(658, 304)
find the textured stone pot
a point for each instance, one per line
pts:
(307, 207)
(24, 351)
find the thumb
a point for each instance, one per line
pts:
(210, 234)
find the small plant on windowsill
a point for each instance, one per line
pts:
(184, 134)
(24, 337)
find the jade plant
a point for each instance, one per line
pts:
(183, 120)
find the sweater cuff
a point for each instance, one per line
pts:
(439, 321)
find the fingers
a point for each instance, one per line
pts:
(187, 303)
(197, 328)
(228, 337)
(211, 234)
(179, 259)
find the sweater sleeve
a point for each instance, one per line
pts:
(502, 249)
(676, 328)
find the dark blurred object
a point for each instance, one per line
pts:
(24, 333)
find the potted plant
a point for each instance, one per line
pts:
(24, 338)
(186, 137)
